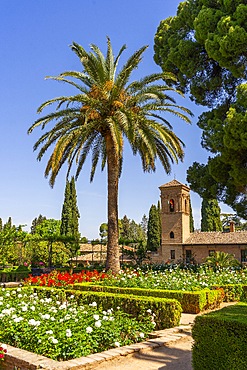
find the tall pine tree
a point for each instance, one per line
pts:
(210, 212)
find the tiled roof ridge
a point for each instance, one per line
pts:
(217, 237)
(173, 183)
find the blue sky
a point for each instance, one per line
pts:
(34, 43)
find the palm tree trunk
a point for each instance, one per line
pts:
(112, 261)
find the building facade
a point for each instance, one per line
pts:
(179, 244)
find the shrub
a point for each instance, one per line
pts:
(220, 339)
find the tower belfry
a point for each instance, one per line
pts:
(175, 216)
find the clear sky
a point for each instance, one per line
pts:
(34, 41)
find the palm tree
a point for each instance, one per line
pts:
(220, 260)
(106, 109)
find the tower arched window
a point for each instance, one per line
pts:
(171, 205)
(171, 235)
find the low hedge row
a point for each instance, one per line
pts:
(220, 339)
(233, 292)
(167, 311)
(191, 302)
(8, 276)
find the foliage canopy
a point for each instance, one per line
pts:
(204, 45)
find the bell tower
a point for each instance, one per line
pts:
(175, 218)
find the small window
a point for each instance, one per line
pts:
(244, 255)
(171, 205)
(188, 256)
(171, 235)
(172, 254)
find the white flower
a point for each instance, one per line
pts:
(24, 308)
(32, 308)
(117, 344)
(141, 335)
(98, 324)
(149, 311)
(68, 333)
(53, 340)
(94, 304)
(33, 322)
(18, 319)
(105, 318)
(46, 316)
(49, 332)
(89, 329)
(96, 317)
(19, 295)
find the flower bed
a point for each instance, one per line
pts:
(58, 328)
(172, 279)
(56, 278)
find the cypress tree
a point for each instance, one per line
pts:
(153, 233)
(210, 212)
(192, 229)
(70, 212)
(159, 218)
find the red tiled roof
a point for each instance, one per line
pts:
(217, 237)
(173, 183)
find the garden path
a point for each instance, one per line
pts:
(173, 355)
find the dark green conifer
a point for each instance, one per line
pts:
(153, 233)
(210, 211)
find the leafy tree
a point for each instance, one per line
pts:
(106, 109)
(49, 230)
(139, 252)
(1, 224)
(210, 211)
(103, 231)
(11, 242)
(125, 228)
(227, 218)
(37, 221)
(144, 225)
(153, 233)
(131, 232)
(204, 45)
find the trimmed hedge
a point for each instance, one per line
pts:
(191, 302)
(220, 339)
(7, 276)
(232, 292)
(167, 311)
